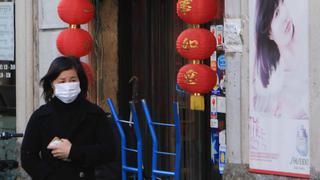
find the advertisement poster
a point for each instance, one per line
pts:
(279, 88)
(6, 31)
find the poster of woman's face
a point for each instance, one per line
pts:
(279, 59)
(279, 87)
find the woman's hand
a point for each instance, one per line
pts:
(62, 149)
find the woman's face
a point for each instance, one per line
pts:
(66, 76)
(282, 27)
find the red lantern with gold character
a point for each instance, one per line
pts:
(196, 11)
(196, 43)
(196, 79)
(74, 42)
(76, 11)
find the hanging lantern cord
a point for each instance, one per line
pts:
(74, 26)
(195, 25)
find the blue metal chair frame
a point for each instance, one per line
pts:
(155, 171)
(125, 168)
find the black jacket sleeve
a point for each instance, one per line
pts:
(102, 151)
(30, 151)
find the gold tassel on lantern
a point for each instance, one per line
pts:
(197, 102)
(196, 79)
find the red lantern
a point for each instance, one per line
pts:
(196, 43)
(75, 11)
(74, 42)
(196, 78)
(89, 72)
(196, 11)
(220, 9)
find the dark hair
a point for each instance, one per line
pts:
(267, 53)
(58, 65)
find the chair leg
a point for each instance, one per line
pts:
(124, 176)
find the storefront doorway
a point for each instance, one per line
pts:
(147, 55)
(7, 80)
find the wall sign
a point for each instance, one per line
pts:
(6, 31)
(48, 15)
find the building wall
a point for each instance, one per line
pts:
(105, 63)
(314, 86)
(237, 77)
(24, 65)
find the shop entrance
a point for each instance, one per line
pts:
(7, 81)
(148, 64)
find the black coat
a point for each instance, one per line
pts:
(89, 132)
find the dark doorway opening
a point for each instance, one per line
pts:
(147, 53)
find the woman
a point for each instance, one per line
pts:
(84, 137)
(277, 63)
(274, 34)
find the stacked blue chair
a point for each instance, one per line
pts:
(155, 171)
(125, 168)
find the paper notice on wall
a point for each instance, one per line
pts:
(48, 15)
(221, 104)
(6, 31)
(232, 35)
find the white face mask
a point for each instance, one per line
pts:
(67, 92)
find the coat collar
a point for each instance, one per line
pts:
(85, 108)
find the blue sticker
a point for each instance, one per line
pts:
(214, 146)
(222, 158)
(221, 62)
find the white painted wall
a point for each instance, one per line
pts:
(47, 51)
(48, 28)
(314, 86)
(24, 62)
(234, 122)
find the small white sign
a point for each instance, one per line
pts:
(232, 35)
(48, 15)
(222, 137)
(214, 123)
(8, 75)
(6, 31)
(221, 104)
(213, 107)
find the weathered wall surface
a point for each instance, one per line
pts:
(314, 86)
(107, 63)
